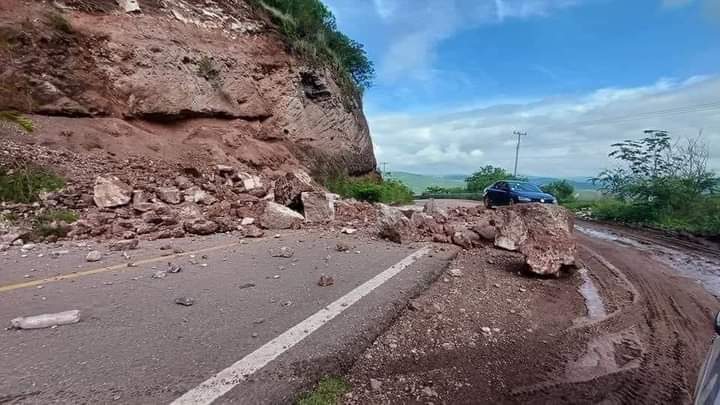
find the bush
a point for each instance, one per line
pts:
(58, 22)
(385, 191)
(311, 31)
(561, 189)
(24, 184)
(49, 223)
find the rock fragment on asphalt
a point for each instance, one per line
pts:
(93, 256)
(326, 281)
(160, 274)
(286, 252)
(46, 320)
(125, 244)
(375, 385)
(185, 301)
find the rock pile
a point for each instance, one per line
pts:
(140, 198)
(542, 233)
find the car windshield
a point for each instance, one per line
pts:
(525, 187)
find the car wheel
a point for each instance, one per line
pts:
(487, 202)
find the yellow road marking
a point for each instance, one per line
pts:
(117, 267)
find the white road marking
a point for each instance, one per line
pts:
(222, 382)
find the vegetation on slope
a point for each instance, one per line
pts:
(365, 189)
(660, 183)
(311, 31)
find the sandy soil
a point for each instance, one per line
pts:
(495, 335)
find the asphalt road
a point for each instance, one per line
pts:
(134, 344)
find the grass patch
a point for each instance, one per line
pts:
(24, 184)
(18, 119)
(207, 70)
(363, 189)
(59, 23)
(50, 223)
(328, 392)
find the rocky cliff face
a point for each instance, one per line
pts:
(187, 82)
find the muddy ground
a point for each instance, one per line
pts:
(496, 335)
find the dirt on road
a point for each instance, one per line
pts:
(495, 335)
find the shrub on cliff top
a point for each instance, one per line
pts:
(312, 32)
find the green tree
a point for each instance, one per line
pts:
(485, 177)
(563, 190)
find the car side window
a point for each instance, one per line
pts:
(502, 186)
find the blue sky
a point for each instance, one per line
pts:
(455, 77)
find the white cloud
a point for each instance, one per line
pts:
(568, 135)
(385, 8)
(419, 26)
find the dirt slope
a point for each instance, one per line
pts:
(178, 79)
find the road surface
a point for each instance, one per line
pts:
(135, 345)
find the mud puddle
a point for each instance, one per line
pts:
(593, 301)
(702, 269)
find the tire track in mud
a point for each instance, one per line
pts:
(672, 322)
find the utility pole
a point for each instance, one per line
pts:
(384, 168)
(517, 149)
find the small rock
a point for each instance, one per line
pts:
(160, 274)
(284, 251)
(125, 244)
(496, 285)
(247, 221)
(252, 231)
(375, 385)
(348, 231)
(342, 247)
(28, 246)
(259, 321)
(254, 335)
(456, 273)
(93, 256)
(326, 281)
(185, 301)
(429, 392)
(247, 285)
(522, 290)
(174, 268)
(486, 330)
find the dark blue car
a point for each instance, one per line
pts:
(508, 192)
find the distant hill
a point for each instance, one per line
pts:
(419, 182)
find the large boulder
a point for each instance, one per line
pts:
(109, 192)
(392, 224)
(543, 233)
(278, 216)
(318, 206)
(288, 188)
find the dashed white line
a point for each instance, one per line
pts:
(222, 382)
